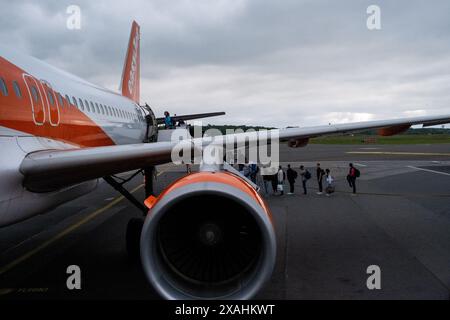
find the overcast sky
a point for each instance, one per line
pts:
(274, 63)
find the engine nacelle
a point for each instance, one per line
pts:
(298, 143)
(390, 131)
(208, 236)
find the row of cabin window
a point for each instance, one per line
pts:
(90, 107)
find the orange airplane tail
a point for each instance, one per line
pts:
(130, 84)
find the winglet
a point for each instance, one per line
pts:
(130, 84)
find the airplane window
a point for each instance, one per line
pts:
(68, 100)
(81, 103)
(60, 99)
(50, 97)
(17, 89)
(92, 107)
(3, 87)
(75, 102)
(34, 93)
(86, 103)
(97, 108)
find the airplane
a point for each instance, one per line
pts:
(208, 235)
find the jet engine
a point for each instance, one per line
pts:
(298, 143)
(208, 236)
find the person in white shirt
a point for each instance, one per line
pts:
(280, 178)
(329, 180)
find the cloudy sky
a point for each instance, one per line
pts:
(268, 63)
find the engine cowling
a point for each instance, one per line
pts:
(390, 131)
(208, 236)
(298, 143)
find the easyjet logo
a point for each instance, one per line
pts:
(133, 67)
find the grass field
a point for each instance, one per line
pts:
(372, 139)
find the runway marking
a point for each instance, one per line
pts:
(360, 165)
(428, 170)
(66, 231)
(400, 153)
(434, 195)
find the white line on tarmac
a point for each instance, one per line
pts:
(360, 165)
(428, 170)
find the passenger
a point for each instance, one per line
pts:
(267, 180)
(353, 173)
(329, 180)
(291, 176)
(305, 174)
(274, 180)
(281, 176)
(246, 171)
(320, 173)
(167, 120)
(253, 171)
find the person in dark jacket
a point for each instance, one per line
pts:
(291, 176)
(320, 174)
(303, 174)
(351, 177)
(274, 180)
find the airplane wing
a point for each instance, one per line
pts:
(48, 170)
(191, 116)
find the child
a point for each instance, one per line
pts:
(329, 180)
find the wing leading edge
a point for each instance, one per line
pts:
(49, 170)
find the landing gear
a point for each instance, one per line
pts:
(133, 237)
(149, 177)
(134, 226)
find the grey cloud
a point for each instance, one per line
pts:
(265, 62)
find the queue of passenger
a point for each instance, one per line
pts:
(324, 179)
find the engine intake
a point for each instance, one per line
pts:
(208, 236)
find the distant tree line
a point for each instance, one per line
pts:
(420, 131)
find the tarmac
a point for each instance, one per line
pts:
(398, 221)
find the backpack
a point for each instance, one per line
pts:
(357, 173)
(307, 175)
(295, 174)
